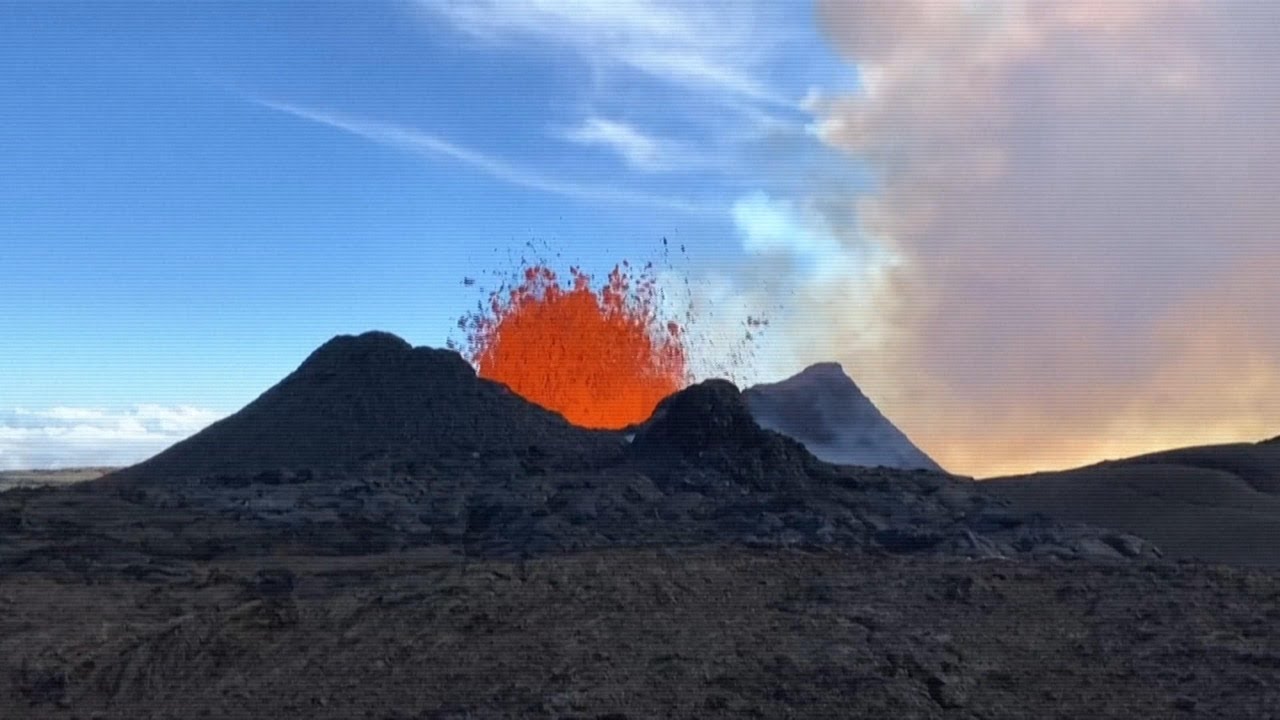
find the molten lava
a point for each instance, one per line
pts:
(602, 358)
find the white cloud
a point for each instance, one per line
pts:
(781, 227)
(695, 69)
(710, 46)
(640, 151)
(721, 79)
(428, 145)
(769, 225)
(61, 437)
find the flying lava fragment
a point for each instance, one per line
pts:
(602, 358)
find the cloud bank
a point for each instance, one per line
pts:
(63, 437)
(1080, 200)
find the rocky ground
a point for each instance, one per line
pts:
(384, 535)
(1219, 503)
(712, 631)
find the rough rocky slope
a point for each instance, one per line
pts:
(1218, 502)
(824, 409)
(371, 404)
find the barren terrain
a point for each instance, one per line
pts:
(1219, 503)
(384, 535)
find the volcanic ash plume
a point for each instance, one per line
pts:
(1082, 195)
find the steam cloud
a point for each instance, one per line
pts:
(1069, 252)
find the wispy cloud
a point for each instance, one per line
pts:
(691, 67)
(689, 43)
(704, 86)
(427, 145)
(640, 151)
(76, 437)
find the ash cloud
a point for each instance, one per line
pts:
(1079, 202)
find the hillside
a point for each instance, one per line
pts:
(823, 408)
(1219, 502)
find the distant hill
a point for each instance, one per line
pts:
(823, 408)
(1217, 502)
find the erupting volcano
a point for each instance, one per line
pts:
(601, 358)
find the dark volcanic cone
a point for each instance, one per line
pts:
(374, 402)
(706, 416)
(824, 409)
(373, 445)
(708, 425)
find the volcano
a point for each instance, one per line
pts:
(372, 444)
(823, 408)
(385, 533)
(370, 404)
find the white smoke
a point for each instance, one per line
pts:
(1075, 204)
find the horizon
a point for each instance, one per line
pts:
(1036, 236)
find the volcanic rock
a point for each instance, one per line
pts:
(1216, 502)
(372, 445)
(824, 409)
(383, 534)
(373, 403)
(706, 416)
(708, 425)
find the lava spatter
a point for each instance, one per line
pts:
(601, 357)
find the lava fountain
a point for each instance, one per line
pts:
(602, 358)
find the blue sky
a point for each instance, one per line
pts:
(195, 195)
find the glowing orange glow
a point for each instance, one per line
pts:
(602, 358)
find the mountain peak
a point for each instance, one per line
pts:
(370, 339)
(344, 349)
(365, 403)
(822, 407)
(830, 374)
(828, 367)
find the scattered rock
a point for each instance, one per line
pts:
(948, 692)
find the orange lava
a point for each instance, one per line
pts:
(602, 358)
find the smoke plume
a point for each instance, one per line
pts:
(1069, 249)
